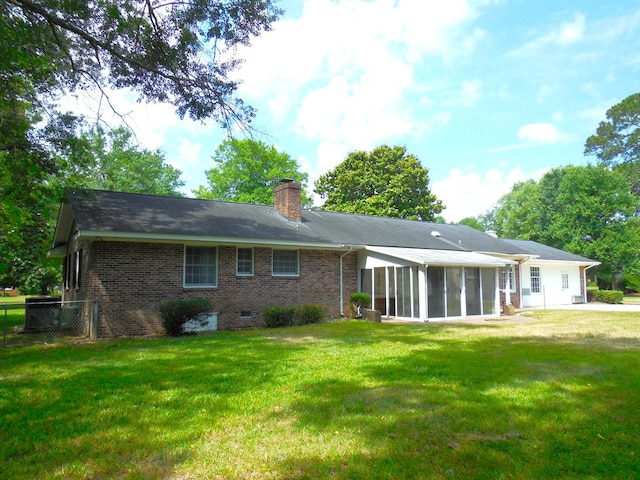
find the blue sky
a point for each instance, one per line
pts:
(485, 93)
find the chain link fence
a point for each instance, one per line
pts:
(47, 320)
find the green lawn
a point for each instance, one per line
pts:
(554, 397)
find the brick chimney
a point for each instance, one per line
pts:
(288, 200)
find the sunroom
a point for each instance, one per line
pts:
(423, 284)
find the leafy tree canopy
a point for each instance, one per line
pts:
(587, 210)
(111, 160)
(473, 223)
(617, 140)
(386, 182)
(248, 171)
(177, 52)
(33, 176)
(517, 214)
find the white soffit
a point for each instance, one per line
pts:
(442, 257)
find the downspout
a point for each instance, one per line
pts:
(342, 282)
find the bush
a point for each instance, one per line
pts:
(359, 300)
(609, 296)
(310, 314)
(175, 313)
(279, 316)
(288, 316)
(631, 283)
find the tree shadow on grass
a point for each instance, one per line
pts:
(492, 408)
(129, 409)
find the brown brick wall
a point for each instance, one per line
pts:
(288, 200)
(130, 280)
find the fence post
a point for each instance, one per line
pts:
(94, 321)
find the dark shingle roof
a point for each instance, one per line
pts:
(544, 252)
(124, 214)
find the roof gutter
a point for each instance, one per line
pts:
(107, 235)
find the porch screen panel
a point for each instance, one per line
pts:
(366, 281)
(404, 292)
(488, 277)
(454, 289)
(435, 292)
(472, 291)
(392, 292)
(416, 293)
(379, 290)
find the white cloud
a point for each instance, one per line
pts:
(573, 31)
(567, 33)
(345, 71)
(469, 193)
(545, 133)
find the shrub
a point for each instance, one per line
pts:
(359, 300)
(310, 314)
(175, 313)
(609, 296)
(288, 316)
(279, 316)
(631, 282)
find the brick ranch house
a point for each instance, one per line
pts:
(130, 252)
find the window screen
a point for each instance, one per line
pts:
(285, 262)
(200, 267)
(244, 264)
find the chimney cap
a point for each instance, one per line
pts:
(287, 180)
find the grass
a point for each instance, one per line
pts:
(552, 397)
(631, 300)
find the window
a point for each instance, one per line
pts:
(535, 279)
(565, 281)
(77, 257)
(285, 263)
(72, 269)
(503, 279)
(244, 263)
(200, 267)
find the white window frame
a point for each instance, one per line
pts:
(536, 287)
(213, 284)
(503, 279)
(287, 273)
(238, 260)
(565, 281)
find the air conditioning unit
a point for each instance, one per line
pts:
(577, 299)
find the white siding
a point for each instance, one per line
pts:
(551, 285)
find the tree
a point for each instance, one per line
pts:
(587, 210)
(248, 171)
(473, 223)
(33, 178)
(28, 196)
(617, 140)
(386, 182)
(517, 213)
(178, 52)
(112, 161)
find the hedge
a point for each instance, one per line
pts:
(608, 296)
(288, 316)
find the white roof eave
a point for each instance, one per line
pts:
(433, 257)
